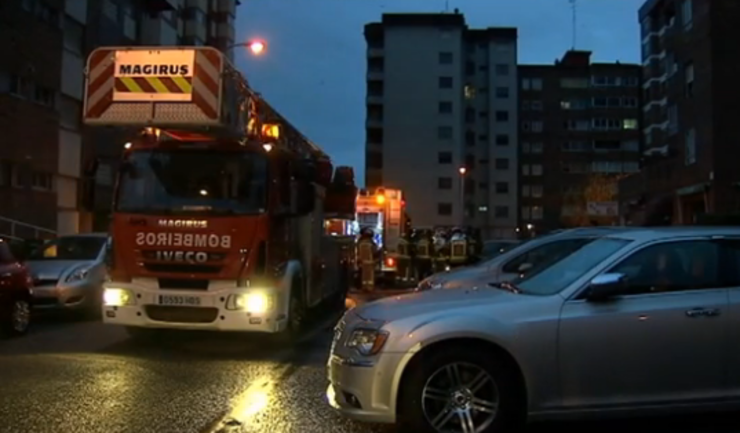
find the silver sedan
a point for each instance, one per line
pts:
(634, 323)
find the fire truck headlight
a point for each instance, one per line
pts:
(255, 302)
(118, 297)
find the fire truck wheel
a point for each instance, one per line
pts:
(296, 312)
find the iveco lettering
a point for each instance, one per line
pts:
(246, 248)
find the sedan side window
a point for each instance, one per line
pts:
(671, 267)
(548, 253)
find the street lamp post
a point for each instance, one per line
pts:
(462, 171)
(256, 46)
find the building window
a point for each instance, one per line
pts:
(689, 73)
(501, 211)
(445, 107)
(536, 83)
(502, 140)
(537, 147)
(690, 147)
(469, 91)
(445, 58)
(575, 146)
(630, 81)
(110, 10)
(526, 190)
(444, 183)
(444, 157)
(502, 164)
(502, 92)
(574, 104)
(502, 187)
(526, 212)
(574, 83)
(502, 69)
(445, 82)
(672, 112)
(536, 170)
(536, 191)
(444, 209)
(629, 124)
(22, 87)
(444, 133)
(687, 13)
(526, 84)
(532, 126)
(536, 105)
(629, 102)
(536, 212)
(42, 181)
(502, 116)
(44, 96)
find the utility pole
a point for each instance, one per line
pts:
(574, 23)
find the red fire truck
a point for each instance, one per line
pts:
(218, 219)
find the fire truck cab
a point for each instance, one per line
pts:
(218, 215)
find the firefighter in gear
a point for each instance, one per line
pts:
(423, 257)
(458, 248)
(441, 251)
(403, 263)
(366, 259)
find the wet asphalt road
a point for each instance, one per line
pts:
(86, 377)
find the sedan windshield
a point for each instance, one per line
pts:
(193, 180)
(554, 277)
(70, 248)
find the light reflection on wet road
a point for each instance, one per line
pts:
(87, 377)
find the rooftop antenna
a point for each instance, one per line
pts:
(574, 18)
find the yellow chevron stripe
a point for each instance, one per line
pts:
(131, 85)
(158, 85)
(183, 84)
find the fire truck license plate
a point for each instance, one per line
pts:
(187, 301)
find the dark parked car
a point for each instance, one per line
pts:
(15, 293)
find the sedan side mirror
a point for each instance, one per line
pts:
(606, 286)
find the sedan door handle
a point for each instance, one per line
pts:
(702, 312)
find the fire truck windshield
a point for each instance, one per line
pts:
(192, 181)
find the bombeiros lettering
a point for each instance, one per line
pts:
(154, 70)
(182, 256)
(196, 240)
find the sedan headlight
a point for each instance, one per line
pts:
(78, 274)
(367, 341)
(118, 297)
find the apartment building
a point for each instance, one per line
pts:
(579, 132)
(46, 156)
(442, 119)
(41, 156)
(690, 118)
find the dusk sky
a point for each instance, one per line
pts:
(314, 69)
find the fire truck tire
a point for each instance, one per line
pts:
(296, 312)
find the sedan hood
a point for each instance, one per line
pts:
(54, 269)
(412, 304)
